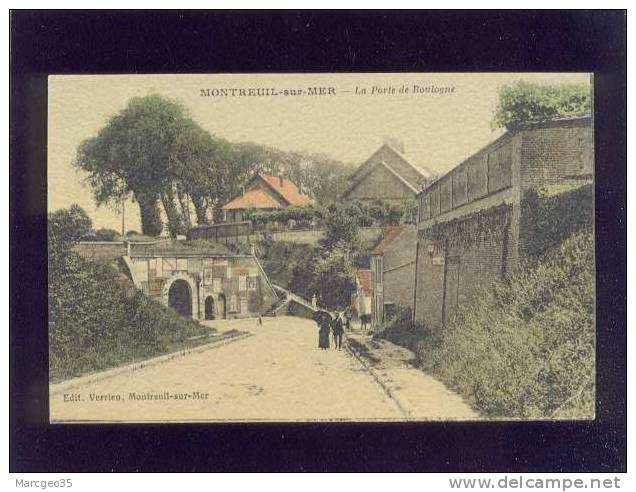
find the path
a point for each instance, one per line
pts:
(275, 374)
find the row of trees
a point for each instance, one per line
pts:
(154, 152)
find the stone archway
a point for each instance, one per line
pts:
(180, 298)
(180, 293)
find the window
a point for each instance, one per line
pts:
(234, 305)
(252, 283)
(217, 285)
(152, 268)
(242, 282)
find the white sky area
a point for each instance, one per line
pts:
(438, 131)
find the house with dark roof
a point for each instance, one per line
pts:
(393, 272)
(387, 176)
(265, 192)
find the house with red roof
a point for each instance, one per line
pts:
(265, 192)
(393, 272)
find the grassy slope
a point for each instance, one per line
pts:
(525, 349)
(97, 321)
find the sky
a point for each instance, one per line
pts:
(438, 130)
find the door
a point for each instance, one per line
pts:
(180, 298)
(222, 308)
(451, 288)
(209, 307)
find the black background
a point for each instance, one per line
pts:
(65, 42)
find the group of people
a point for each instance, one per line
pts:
(331, 324)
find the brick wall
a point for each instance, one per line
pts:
(553, 154)
(430, 284)
(451, 270)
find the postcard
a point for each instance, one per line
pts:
(321, 247)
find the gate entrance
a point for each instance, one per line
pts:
(209, 307)
(180, 298)
(222, 307)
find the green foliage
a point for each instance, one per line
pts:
(96, 317)
(524, 102)
(341, 230)
(326, 271)
(361, 213)
(102, 234)
(402, 330)
(526, 348)
(289, 265)
(554, 213)
(97, 320)
(65, 228)
(333, 273)
(153, 150)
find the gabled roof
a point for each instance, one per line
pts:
(286, 189)
(396, 163)
(364, 279)
(252, 199)
(389, 237)
(282, 193)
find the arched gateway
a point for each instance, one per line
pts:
(180, 293)
(209, 307)
(180, 298)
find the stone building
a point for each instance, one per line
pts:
(386, 176)
(472, 225)
(265, 192)
(361, 298)
(201, 284)
(393, 272)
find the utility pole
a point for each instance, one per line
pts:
(123, 214)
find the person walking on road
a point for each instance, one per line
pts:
(338, 330)
(323, 320)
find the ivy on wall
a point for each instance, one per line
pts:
(549, 215)
(474, 228)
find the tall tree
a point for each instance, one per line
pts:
(133, 153)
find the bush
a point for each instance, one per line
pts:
(524, 102)
(552, 214)
(361, 213)
(98, 320)
(526, 349)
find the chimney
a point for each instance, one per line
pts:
(281, 180)
(243, 190)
